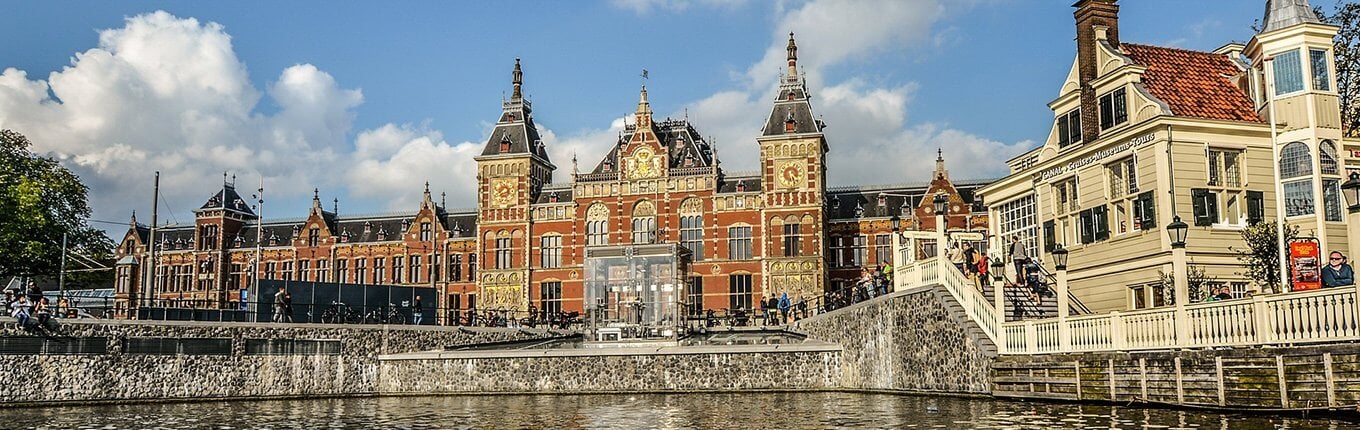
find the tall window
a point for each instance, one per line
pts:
(342, 270)
(550, 251)
(792, 239)
(550, 297)
(739, 290)
(840, 251)
(304, 270)
(1225, 187)
(425, 232)
(360, 271)
(1113, 109)
(379, 271)
(414, 273)
(692, 235)
(207, 237)
(739, 243)
(882, 248)
(313, 236)
(1017, 218)
(859, 250)
(1331, 186)
(271, 270)
(1069, 128)
(472, 267)
(1296, 169)
(1123, 180)
(322, 270)
(288, 271)
(644, 222)
(1322, 80)
(456, 267)
(597, 225)
(396, 269)
(694, 295)
(503, 253)
(1288, 72)
(1065, 210)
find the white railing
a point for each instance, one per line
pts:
(1287, 318)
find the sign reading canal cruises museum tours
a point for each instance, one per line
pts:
(1304, 254)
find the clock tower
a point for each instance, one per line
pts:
(793, 167)
(511, 171)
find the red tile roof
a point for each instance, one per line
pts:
(1195, 84)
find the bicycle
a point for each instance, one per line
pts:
(385, 315)
(339, 313)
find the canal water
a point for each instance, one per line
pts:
(652, 411)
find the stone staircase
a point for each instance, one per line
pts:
(957, 313)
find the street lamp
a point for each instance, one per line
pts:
(999, 290)
(941, 202)
(1177, 232)
(1351, 190)
(1060, 265)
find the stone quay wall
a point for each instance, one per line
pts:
(140, 360)
(1308, 377)
(808, 366)
(913, 341)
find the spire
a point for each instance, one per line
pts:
(133, 221)
(335, 206)
(793, 59)
(427, 201)
(940, 171)
(1287, 13)
(518, 81)
(316, 200)
(644, 110)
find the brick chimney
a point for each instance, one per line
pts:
(1096, 20)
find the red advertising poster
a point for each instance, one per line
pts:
(1304, 255)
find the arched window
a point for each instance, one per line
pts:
(644, 222)
(597, 224)
(1296, 163)
(1331, 186)
(1327, 158)
(692, 227)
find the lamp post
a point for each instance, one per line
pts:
(896, 222)
(1177, 231)
(1060, 266)
(941, 202)
(1351, 190)
(999, 290)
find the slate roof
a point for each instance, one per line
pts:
(749, 183)
(515, 128)
(359, 228)
(863, 201)
(234, 201)
(793, 105)
(1193, 83)
(682, 140)
(1287, 13)
(562, 191)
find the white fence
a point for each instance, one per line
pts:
(1288, 318)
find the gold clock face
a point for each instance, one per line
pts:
(789, 174)
(503, 192)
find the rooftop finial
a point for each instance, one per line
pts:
(316, 194)
(793, 59)
(335, 205)
(442, 202)
(518, 81)
(644, 107)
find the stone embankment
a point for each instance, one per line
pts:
(86, 361)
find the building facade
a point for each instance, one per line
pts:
(1143, 135)
(751, 235)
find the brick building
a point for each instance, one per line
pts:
(777, 230)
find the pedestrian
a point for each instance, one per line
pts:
(1224, 293)
(955, 256)
(1337, 273)
(63, 306)
(969, 260)
(1019, 256)
(43, 310)
(418, 312)
(981, 270)
(888, 272)
(281, 305)
(19, 309)
(784, 306)
(866, 282)
(770, 306)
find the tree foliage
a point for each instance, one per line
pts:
(1346, 50)
(1197, 279)
(1260, 256)
(40, 200)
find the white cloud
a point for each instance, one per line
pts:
(391, 161)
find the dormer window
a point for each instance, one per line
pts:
(1069, 128)
(297, 231)
(505, 141)
(859, 210)
(1113, 109)
(882, 200)
(368, 227)
(689, 160)
(457, 230)
(790, 96)
(789, 124)
(382, 234)
(344, 236)
(405, 224)
(552, 198)
(741, 186)
(238, 241)
(273, 240)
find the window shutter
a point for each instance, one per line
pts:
(1148, 210)
(1087, 227)
(1256, 207)
(1211, 199)
(1050, 237)
(1101, 217)
(1199, 199)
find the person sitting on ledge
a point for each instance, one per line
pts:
(1337, 273)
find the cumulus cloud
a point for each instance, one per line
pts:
(388, 162)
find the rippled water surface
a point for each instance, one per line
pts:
(678, 411)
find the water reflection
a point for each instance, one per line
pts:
(671, 411)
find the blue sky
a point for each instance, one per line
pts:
(368, 100)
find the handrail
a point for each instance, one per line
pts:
(1073, 302)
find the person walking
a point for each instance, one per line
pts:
(888, 273)
(955, 256)
(770, 305)
(981, 271)
(1337, 273)
(1019, 256)
(281, 305)
(784, 306)
(418, 313)
(969, 260)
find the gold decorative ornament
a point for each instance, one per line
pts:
(789, 174)
(503, 192)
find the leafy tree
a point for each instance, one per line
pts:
(1346, 49)
(1197, 281)
(40, 200)
(1261, 255)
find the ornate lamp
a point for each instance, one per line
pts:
(1351, 190)
(1059, 257)
(896, 223)
(998, 269)
(941, 203)
(1177, 230)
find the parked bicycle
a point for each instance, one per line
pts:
(339, 313)
(385, 315)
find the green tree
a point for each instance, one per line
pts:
(40, 200)
(1260, 256)
(1346, 49)
(1197, 282)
